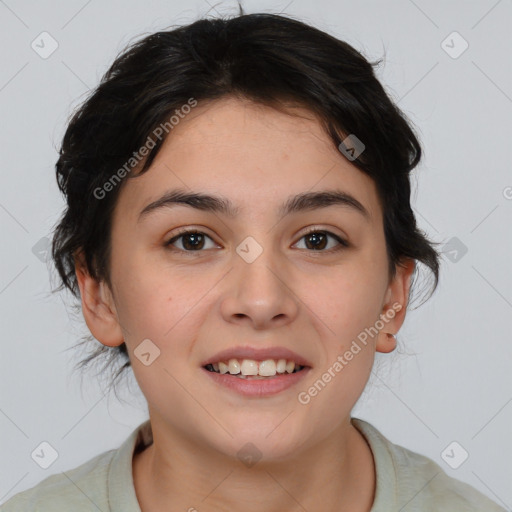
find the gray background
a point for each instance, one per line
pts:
(453, 382)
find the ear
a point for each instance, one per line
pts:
(395, 306)
(98, 307)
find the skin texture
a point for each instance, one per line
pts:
(194, 304)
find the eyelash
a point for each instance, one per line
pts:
(343, 244)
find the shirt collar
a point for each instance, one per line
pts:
(386, 481)
(121, 488)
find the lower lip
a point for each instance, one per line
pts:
(258, 387)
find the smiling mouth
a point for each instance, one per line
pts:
(250, 369)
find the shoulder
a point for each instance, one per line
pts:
(417, 483)
(425, 481)
(81, 488)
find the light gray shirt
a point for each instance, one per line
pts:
(406, 482)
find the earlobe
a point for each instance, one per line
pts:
(98, 308)
(395, 306)
(388, 344)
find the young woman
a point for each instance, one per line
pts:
(239, 231)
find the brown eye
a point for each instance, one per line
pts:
(191, 241)
(317, 240)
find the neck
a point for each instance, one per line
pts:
(338, 474)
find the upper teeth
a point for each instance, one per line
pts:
(266, 368)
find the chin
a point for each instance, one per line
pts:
(265, 440)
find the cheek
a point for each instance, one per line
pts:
(151, 297)
(160, 312)
(348, 299)
(166, 308)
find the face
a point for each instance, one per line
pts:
(256, 279)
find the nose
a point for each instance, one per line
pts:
(260, 293)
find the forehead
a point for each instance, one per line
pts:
(253, 154)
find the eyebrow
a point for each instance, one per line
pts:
(217, 204)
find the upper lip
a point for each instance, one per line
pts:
(257, 354)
